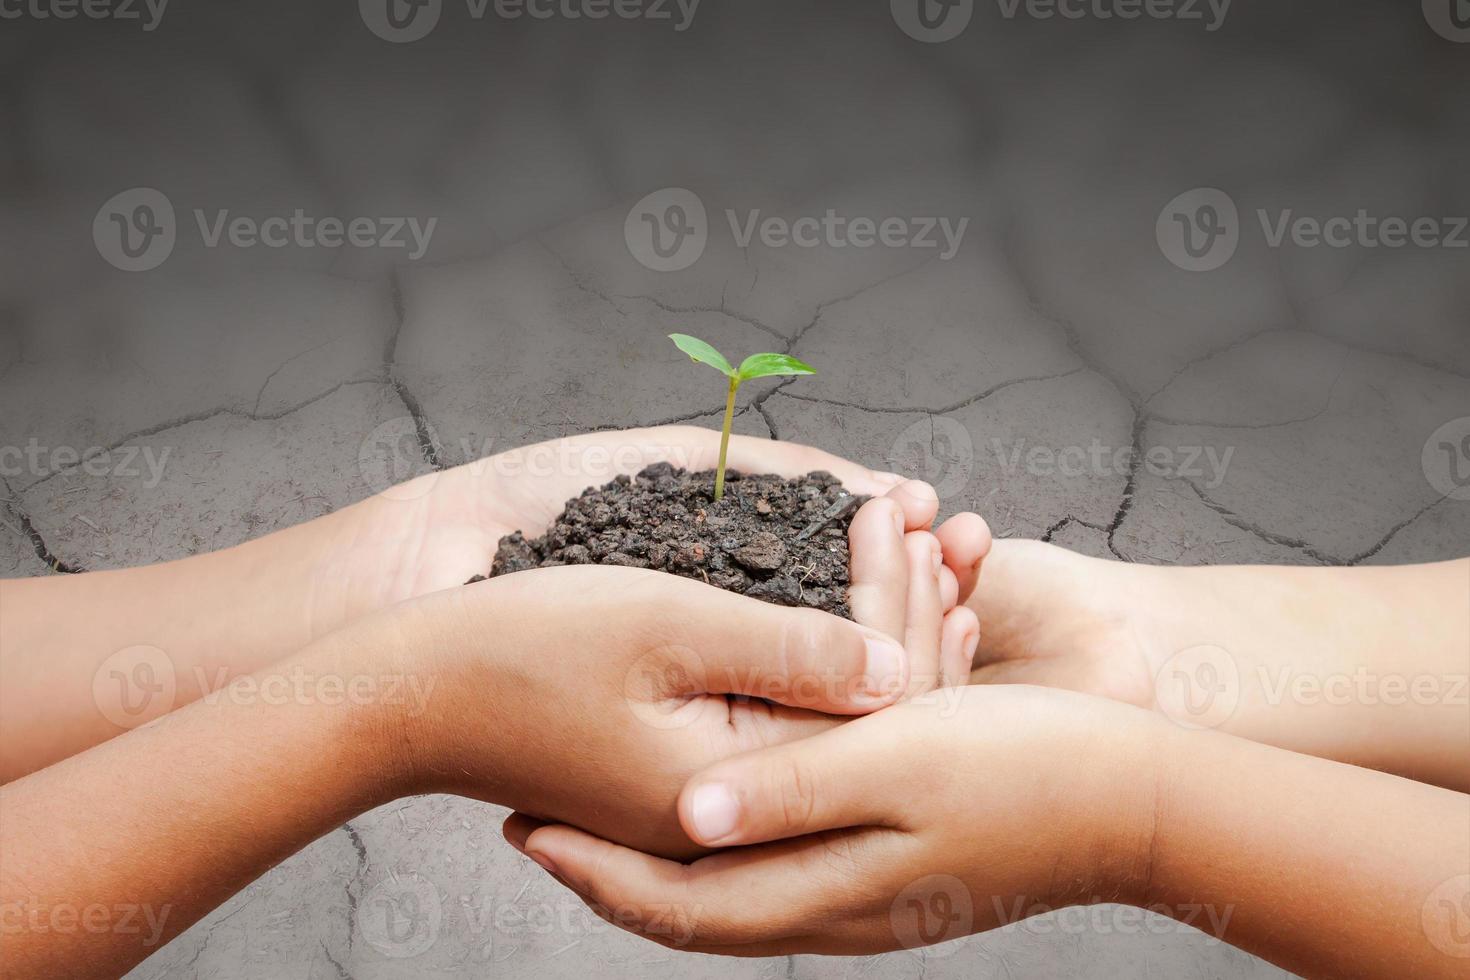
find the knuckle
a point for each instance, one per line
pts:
(796, 795)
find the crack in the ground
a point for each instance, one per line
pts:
(1055, 529)
(1206, 424)
(260, 395)
(38, 543)
(1213, 353)
(204, 416)
(759, 404)
(1130, 485)
(355, 881)
(342, 973)
(423, 429)
(944, 410)
(1270, 537)
(821, 308)
(722, 310)
(1393, 531)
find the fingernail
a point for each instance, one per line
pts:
(715, 812)
(972, 643)
(898, 520)
(936, 556)
(883, 671)
(892, 479)
(545, 862)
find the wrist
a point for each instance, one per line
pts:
(391, 691)
(1129, 761)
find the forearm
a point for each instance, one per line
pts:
(1363, 665)
(203, 621)
(1323, 868)
(111, 853)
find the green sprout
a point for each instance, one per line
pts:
(754, 366)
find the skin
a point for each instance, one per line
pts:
(1369, 666)
(1049, 799)
(1143, 799)
(220, 615)
(467, 690)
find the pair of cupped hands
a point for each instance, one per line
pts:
(641, 723)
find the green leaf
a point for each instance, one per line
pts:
(699, 351)
(766, 365)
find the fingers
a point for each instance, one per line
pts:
(798, 657)
(949, 587)
(752, 455)
(959, 640)
(924, 614)
(734, 903)
(878, 576)
(966, 541)
(848, 776)
(518, 827)
(918, 501)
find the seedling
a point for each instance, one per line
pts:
(754, 366)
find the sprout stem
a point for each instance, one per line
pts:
(725, 438)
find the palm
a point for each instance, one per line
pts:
(440, 530)
(1051, 617)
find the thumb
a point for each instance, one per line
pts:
(854, 775)
(797, 657)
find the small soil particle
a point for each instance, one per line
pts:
(784, 541)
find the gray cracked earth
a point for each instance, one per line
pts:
(1056, 374)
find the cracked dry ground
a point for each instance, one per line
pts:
(456, 369)
(277, 387)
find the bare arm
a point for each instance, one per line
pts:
(1049, 799)
(1363, 665)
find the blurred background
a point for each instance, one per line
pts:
(1182, 282)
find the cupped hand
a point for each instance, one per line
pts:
(438, 530)
(953, 813)
(1056, 618)
(591, 693)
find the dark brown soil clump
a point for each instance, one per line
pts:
(784, 541)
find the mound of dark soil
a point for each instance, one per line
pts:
(784, 541)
